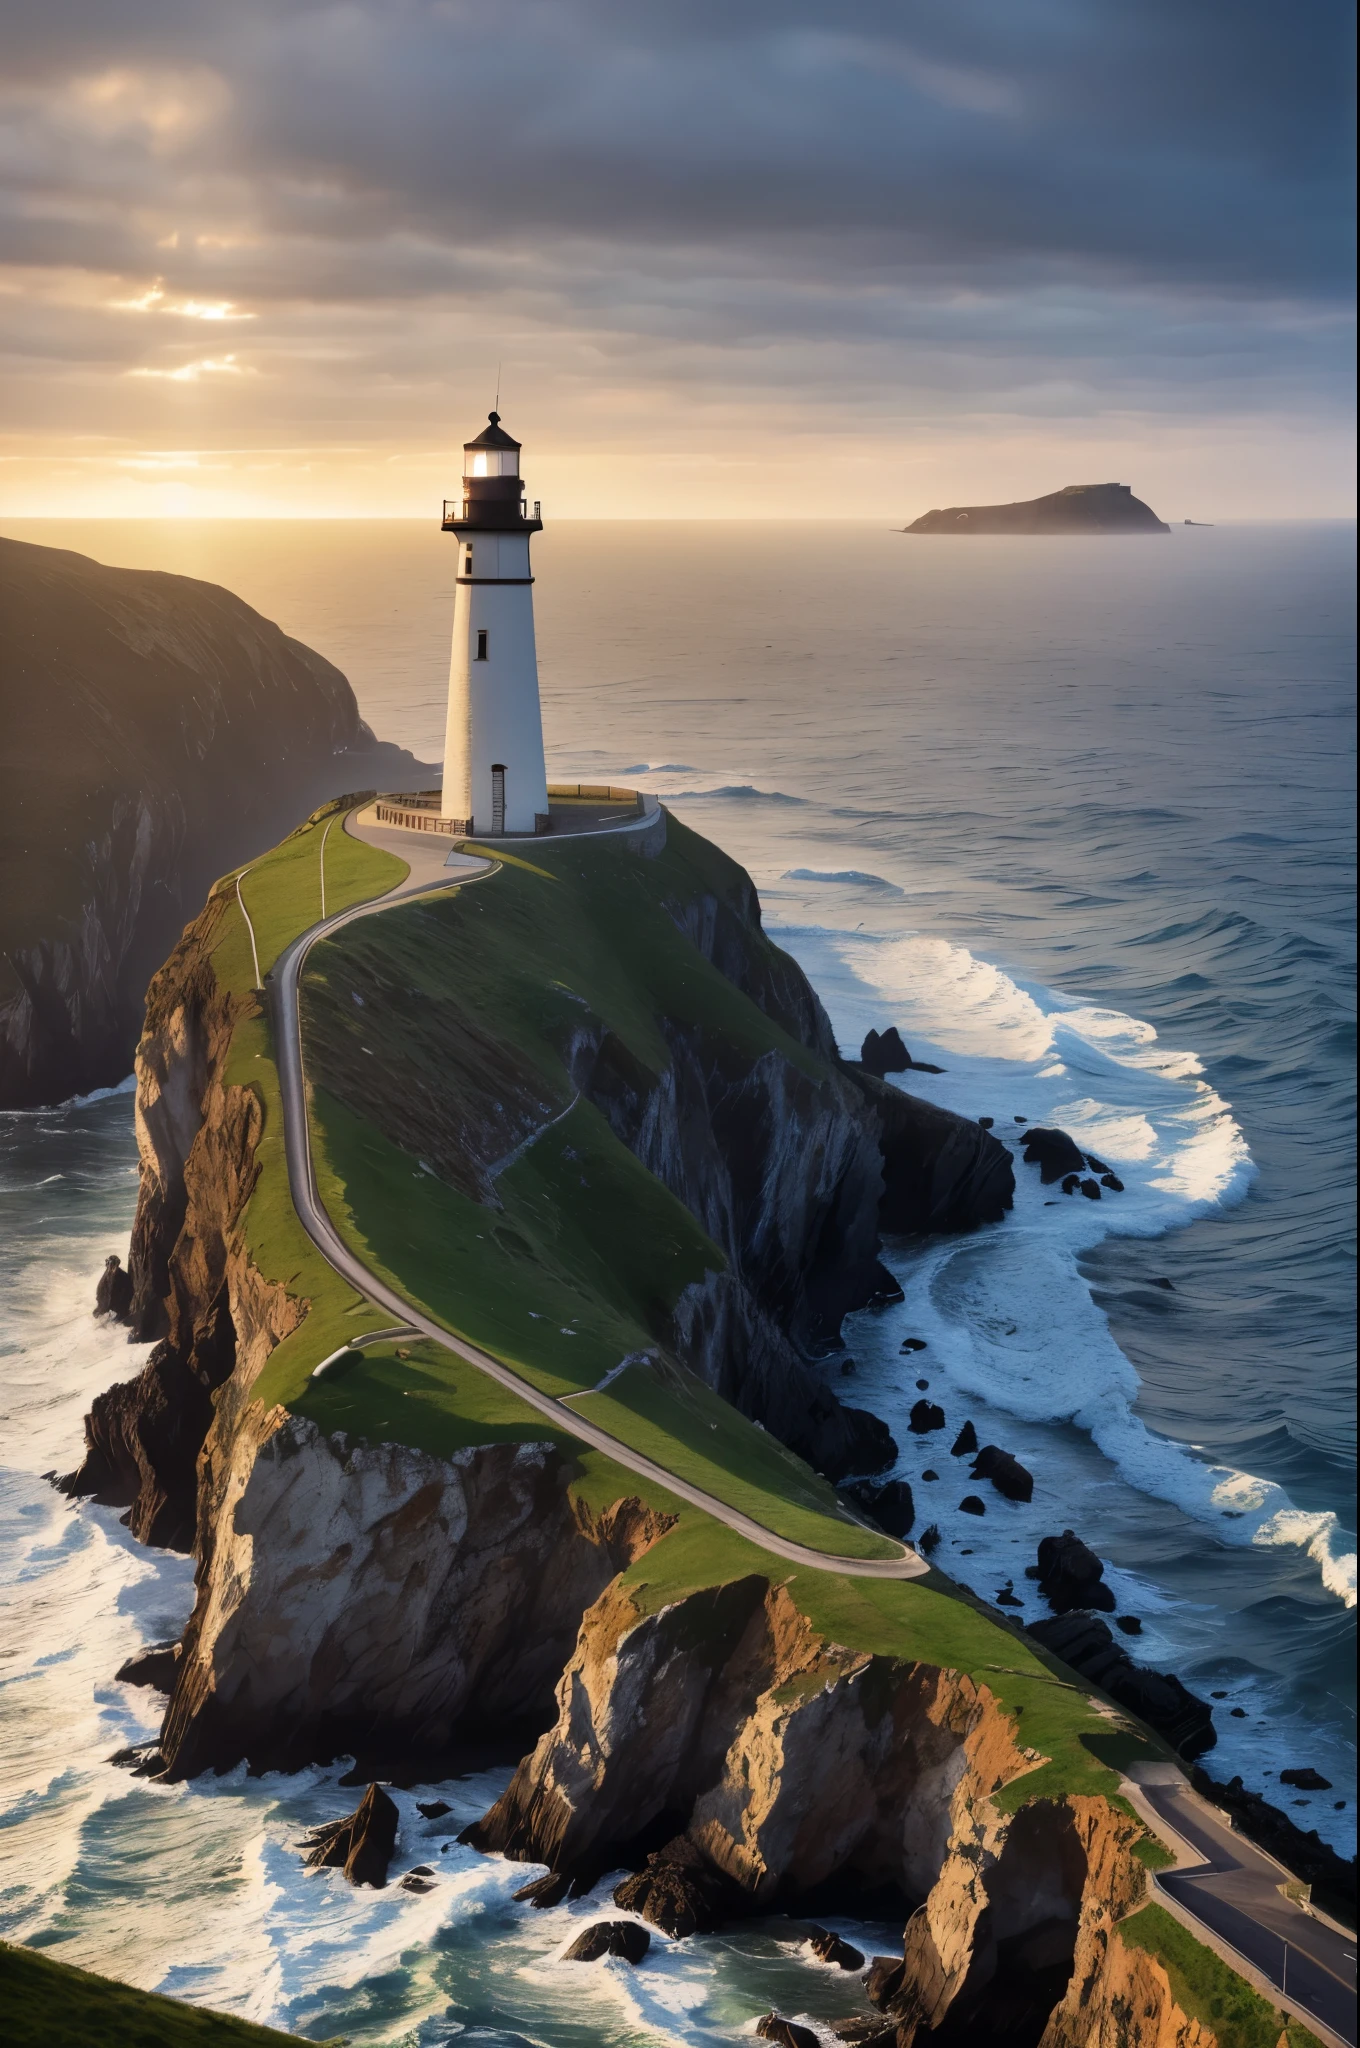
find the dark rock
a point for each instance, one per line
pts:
(884, 1288)
(420, 1870)
(1306, 1855)
(925, 1417)
(971, 1505)
(1091, 1190)
(1162, 1281)
(1006, 1473)
(414, 1882)
(986, 1122)
(435, 1810)
(361, 1845)
(143, 1759)
(1071, 1182)
(1053, 1152)
(829, 1948)
(921, 1386)
(1157, 1698)
(1112, 1180)
(929, 1540)
(940, 1171)
(914, 1344)
(965, 1443)
(872, 1446)
(679, 1891)
(113, 1294)
(1070, 1575)
(154, 1666)
(861, 2032)
(930, 1473)
(847, 1367)
(1306, 1780)
(1132, 1626)
(1238, 1713)
(884, 1979)
(609, 1938)
(1005, 1598)
(884, 1052)
(1218, 1695)
(545, 1891)
(891, 1504)
(1097, 1165)
(787, 2033)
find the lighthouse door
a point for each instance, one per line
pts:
(497, 797)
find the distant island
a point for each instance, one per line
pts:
(1078, 508)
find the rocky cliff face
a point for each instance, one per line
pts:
(357, 1592)
(157, 732)
(770, 1764)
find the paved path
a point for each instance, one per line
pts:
(432, 867)
(1234, 1892)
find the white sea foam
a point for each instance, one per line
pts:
(1008, 1314)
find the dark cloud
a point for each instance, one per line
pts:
(1039, 206)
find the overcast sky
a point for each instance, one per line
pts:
(737, 257)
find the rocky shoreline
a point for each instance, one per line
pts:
(718, 1741)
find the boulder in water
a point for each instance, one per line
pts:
(1070, 1575)
(113, 1293)
(829, 1948)
(1053, 1152)
(971, 1505)
(1006, 1473)
(891, 1504)
(1158, 1698)
(785, 2033)
(965, 1443)
(884, 1053)
(609, 1938)
(1306, 1779)
(545, 1891)
(925, 1416)
(361, 1845)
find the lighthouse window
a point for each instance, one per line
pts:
(469, 561)
(482, 639)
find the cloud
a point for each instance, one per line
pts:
(901, 216)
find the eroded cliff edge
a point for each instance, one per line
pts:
(387, 1557)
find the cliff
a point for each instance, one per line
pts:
(594, 1121)
(1077, 508)
(157, 731)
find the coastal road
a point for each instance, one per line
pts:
(1234, 1892)
(433, 868)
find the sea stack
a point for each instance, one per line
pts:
(495, 780)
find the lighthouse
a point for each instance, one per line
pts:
(495, 780)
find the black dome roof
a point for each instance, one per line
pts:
(493, 436)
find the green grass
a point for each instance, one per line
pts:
(1204, 1986)
(673, 1418)
(283, 894)
(48, 2004)
(580, 1265)
(1154, 1854)
(282, 891)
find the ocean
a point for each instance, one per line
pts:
(1077, 817)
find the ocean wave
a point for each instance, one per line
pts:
(127, 1086)
(1014, 1322)
(853, 878)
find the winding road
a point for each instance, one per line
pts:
(432, 867)
(1233, 1893)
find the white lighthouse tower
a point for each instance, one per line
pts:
(494, 775)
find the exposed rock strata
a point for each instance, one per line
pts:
(354, 1591)
(361, 1844)
(782, 1761)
